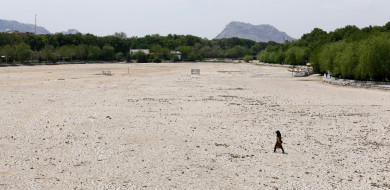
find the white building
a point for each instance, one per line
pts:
(146, 51)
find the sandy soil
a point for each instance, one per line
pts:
(66, 126)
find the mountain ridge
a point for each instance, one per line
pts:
(258, 33)
(21, 27)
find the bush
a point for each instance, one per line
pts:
(175, 58)
(157, 60)
(248, 58)
(119, 56)
(192, 57)
(141, 57)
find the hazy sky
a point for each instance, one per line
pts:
(204, 18)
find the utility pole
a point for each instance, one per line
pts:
(35, 32)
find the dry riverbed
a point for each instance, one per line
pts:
(159, 127)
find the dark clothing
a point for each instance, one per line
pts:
(279, 143)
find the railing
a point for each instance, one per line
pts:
(346, 82)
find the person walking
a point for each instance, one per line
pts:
(279, 141)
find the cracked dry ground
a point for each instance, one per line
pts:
(68, 127)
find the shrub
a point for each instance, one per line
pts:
(141, 57)
(157, 60)
(248, 58)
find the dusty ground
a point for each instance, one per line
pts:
(65, 127)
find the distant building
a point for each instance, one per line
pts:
(146, 51)
(9, 31)
(177, 53)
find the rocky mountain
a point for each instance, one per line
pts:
(10, 25)
(259, 33)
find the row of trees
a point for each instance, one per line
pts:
(22, 52)
(348, 52)
(116, 47)
(368, 59)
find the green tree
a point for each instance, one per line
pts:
(23, 52)
(94, 53)
(315, 59)
(81, 52)
(343, 33)
(387, 27)
(291, 57)
(236, 52)
(141, 57)
(374, 59)
(8, 52)
(108, 53)
(255, 49)
(66, 52)
(119, 56)
(272, 54)
(297, 55)
(349, 60)
(280, 57)
(36, 42)
(328, 56)
(48, 54)
(186, 51)
(315, 38)
(159, 52)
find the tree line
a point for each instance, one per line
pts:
(88, 47)
(349, 52)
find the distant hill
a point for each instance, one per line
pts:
(259, 33)
(70, 31)
(21, 27)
